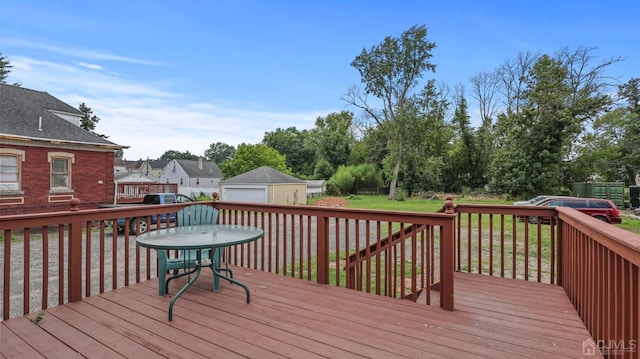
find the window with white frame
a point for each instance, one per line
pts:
(10, 170)
(61, 164)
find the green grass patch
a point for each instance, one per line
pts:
(630, 224)
(337, 271)
(471, 248)
(427, 205)
(415, 204)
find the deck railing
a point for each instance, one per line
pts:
(599, 272)
(349, 247)
(501, 241)
(596, 263)
(54, 258)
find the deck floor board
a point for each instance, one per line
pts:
(287, 317)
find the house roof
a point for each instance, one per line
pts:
(262, 175)
(159, 164)
(316, 183)
(22, 109)
(119, 162)
(193, 169)
(136, 177)
(133, 165)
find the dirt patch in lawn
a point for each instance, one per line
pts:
(332, 202)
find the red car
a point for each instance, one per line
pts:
(599, 208)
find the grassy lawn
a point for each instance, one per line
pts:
(412, 204)
(432, 205)
(630, 224)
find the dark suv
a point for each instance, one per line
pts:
(602, 209)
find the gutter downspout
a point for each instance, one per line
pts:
(115, 193)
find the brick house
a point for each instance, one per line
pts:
(46, 158)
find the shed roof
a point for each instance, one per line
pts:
(262, 175)
(316, 183)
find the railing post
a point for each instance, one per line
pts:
(447, 258)
(75, 253)
(322, 232)
(559, 251)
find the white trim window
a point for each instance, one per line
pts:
(61, 170)
(11, 170)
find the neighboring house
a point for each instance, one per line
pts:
(192, 177)
(135, 177)
(264, 185)
(133, 166)
(132, 186)
(46, 158)
(153, 167)
(119, 166)
(316, 188)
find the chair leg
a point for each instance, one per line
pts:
(215, 263)
(162, 282)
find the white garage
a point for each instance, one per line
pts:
(264, 185)
(244, 193)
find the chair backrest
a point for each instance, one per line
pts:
(196, 214)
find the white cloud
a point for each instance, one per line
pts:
(149, 117)
(152, 130)
(89, 66)
(49, 76)
(69, 50)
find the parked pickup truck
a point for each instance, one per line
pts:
(150, 199)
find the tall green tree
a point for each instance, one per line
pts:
(323, 170)
(356, 178)
(292, 143)
(485, 90)
(540, 139)
(601, 152)
(89, 121)
(219, 152)
(390, 72)
(463, 158)
(178, 155)
(529, 161)
(629, 144)
(512, 77)
(5, 68)
(249, 157)
(332, 138)
(426, 140)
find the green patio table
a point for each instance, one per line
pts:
(200, 237)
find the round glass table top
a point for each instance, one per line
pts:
(199, 236)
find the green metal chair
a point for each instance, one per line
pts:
(186, 259)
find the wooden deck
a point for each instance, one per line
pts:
(494, 317)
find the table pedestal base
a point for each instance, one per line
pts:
(196, 273)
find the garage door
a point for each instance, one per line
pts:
(256, 195)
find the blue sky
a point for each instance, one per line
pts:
(181, 75)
